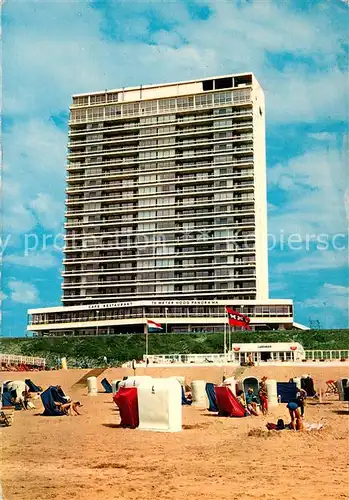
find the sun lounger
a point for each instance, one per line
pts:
(331, 387)
(6, 418)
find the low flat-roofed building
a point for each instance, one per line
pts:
(174, 316)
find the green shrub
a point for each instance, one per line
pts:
(89, 351)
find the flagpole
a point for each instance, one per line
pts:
(225, 334)
(146, 342)
(165, 319)
(229, 339)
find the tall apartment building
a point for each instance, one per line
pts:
(166, 206)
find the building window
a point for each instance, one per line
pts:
(149, 107)
(78, 115)
(223, 98)
(97, 99)
(203, 101)
(130, 109)
(185, 102)
(167, 105)
(112, 111)
(112, 97)
(80, 100)
(242, 96)
(95, 113)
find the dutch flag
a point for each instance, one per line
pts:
(152, 325)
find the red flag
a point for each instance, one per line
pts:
(238, 319)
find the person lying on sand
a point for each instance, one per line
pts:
(69, 408)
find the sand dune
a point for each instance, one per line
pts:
(220, 458)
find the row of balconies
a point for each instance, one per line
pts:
(132, 293)
(107, 267)
(175, 148)
(180, 179)
(198, 202)
(140, 134)
(193, 167)
(243, 257)
(240, 280)
(127, 194)
(201, 100)
(139, 243)
(184, 215)
(241, 166)
(178, 229)
(135, 125)
(185, 115)
(129, 255)
(108, 145)
(160, 164)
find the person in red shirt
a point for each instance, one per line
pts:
(263, 398)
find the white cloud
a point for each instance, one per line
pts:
(237, 37)
(2, 297)
(330, 296)
(323, 136)
(329, 305)
(315, 261)
(17, 218)
(40, 157)
(22, 292)
(49, 212)
(170, 38)
(41, 260)
(272, 207)
(277, 286)
(314, 192)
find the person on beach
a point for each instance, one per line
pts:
(300, 400)
(263, 398)
(241, 397)
(296, 419)
(69, 408)
(252, 402)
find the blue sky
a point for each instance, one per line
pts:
(298, 51)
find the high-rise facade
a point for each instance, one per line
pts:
(166, 204)
(166, 193)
